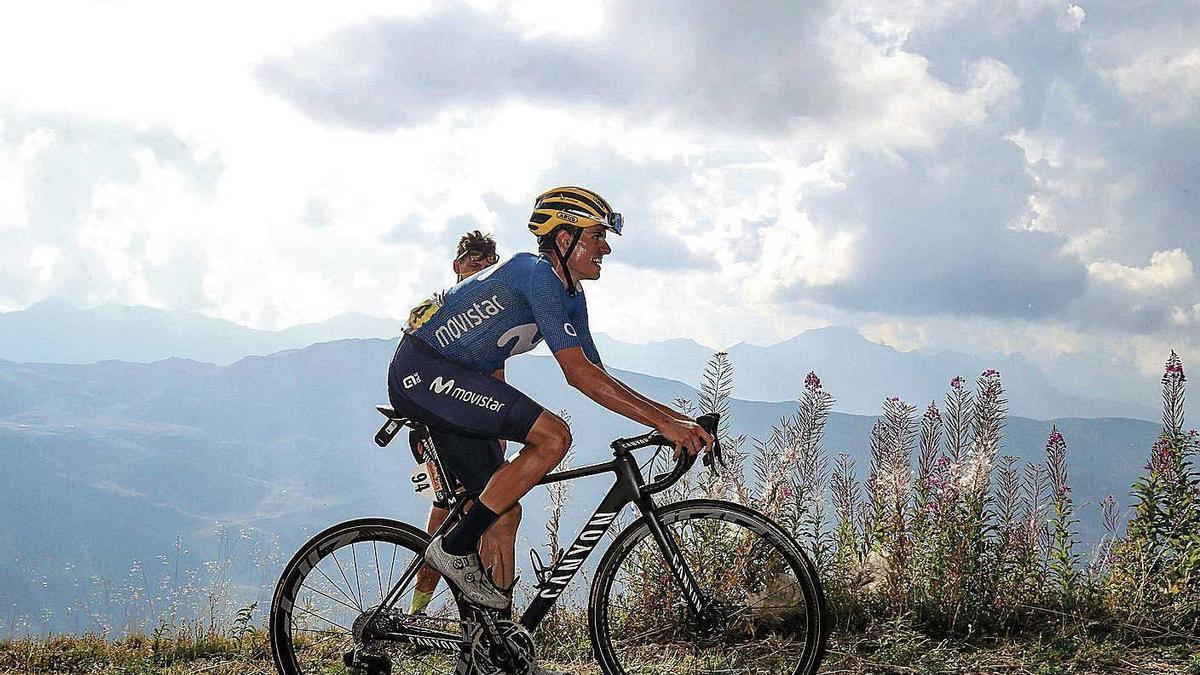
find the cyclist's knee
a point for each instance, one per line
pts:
(552, 433)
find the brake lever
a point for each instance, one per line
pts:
(713, 456)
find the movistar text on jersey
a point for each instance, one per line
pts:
(462, 322)
(446, 387)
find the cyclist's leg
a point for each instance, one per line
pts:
(473, 461)
(496, 550)
(545, 446)
(498, 546)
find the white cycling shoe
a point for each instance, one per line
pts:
(465, 573)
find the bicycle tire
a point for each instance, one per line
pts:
(755, 628)
(365, 536)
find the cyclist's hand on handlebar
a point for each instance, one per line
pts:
(685, 434)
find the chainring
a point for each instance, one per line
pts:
(513, 653)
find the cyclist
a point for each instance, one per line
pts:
(476, 251)
(441, 373)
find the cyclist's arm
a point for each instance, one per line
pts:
(599, 386)
(666, 410)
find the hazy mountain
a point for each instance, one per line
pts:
(109, 463)
(54, 331)
(861, 373)
(680, 358)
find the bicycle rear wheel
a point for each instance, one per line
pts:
(325, 592)
(765, 606)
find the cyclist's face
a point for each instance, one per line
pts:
(471, 262)
(588, 256)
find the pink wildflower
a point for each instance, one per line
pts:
(1174, 371)
(812, 382)
(1162, 458)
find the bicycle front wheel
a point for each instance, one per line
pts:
(332, 583)
(764, 607)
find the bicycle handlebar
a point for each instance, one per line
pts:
(712, 454)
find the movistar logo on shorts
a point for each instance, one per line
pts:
(462, 322)
(447, 388)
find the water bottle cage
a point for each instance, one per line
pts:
(540, 570)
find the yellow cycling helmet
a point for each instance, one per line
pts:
(573, 206)
(573, 209)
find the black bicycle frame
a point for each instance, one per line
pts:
(630, 486)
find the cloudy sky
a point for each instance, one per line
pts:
(980, 175)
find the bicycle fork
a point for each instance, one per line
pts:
(674, 557)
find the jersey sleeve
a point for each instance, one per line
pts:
(548, 302)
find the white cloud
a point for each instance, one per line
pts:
(880, 148)
(1164, 84)
(1167, 270)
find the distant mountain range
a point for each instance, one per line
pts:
(54, 331)
(860, 373)
(111, 462)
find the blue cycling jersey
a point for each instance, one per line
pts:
(501, 311)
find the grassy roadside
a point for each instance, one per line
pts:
(892, 650)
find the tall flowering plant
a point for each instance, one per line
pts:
(812, 469)
(1063, 560)
(1160, 558)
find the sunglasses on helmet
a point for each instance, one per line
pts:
(614, 222)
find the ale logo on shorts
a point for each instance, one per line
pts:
(448, 388)
(413, 380)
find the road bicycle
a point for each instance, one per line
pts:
(699, 585)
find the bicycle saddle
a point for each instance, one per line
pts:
(390, 413)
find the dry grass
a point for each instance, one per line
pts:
(883, 649)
